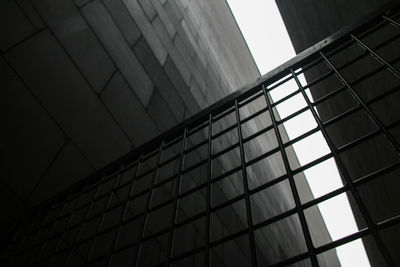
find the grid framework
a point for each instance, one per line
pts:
(166, 203)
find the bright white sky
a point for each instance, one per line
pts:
(270, 45)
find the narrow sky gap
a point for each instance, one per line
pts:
(270, 45)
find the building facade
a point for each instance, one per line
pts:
(308, 23)
(88, 81)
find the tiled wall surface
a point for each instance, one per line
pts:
(84, 82)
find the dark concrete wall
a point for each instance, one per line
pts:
(311, 21)
(84, 82)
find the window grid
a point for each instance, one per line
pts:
(59, 232)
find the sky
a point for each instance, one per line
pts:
(270, 45)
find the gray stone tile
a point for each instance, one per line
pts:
(62, 90)
(184, 51)
(164, 18)
(192, 37)
(185, 40)
(198, 95)
(14, 26)
(128, 110)
(68, 168)
(77, 38)
(160, 112)
(148, 9)
(29, 137)
(210, 81)
(187, 21)
(195, 13)
(31, 14)
(120, 51)
(147, 29)
(172, 50)
(180, 85)
(160, 78)
(123, 19)
(174, 13)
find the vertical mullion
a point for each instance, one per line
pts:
(148, 201)
(115, 241)
(246, 189)
(370, 113)
(177, 190)
(296, 197)
(208, 198)
(346, 176)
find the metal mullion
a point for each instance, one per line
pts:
(291, 260)
(191, 219)
(249, 100)
(276, 218)
(378, 57)
(226, 174)
(230, 237)
(268, 184)
(325, 197)
(359, 140)
(221, 115)
(142, 175)
(372, 176)
(312, 163)
(246, 190)
(196, 128)
(319, 79)
(296, 197)
(251, 137)
(81, 226)
(346, 176)
(329, 95)
(344, 240)
(194, 166)
(389, 222)
(286, 78)
(391, 21)
(194, 189)
(50, 233)
(103, 214)
(169, 160)
(228, 202)
(262, 156)
(224, 131)
(366, 53)
(207, 232)
(148, 201)
(161, 205)
(291, 116)
(116, 236)
(324, 248)
(300, 137)
(196, 146)
(166, 180)
(283, 99)
(252, 116)
(370, 113)
(225, 150)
